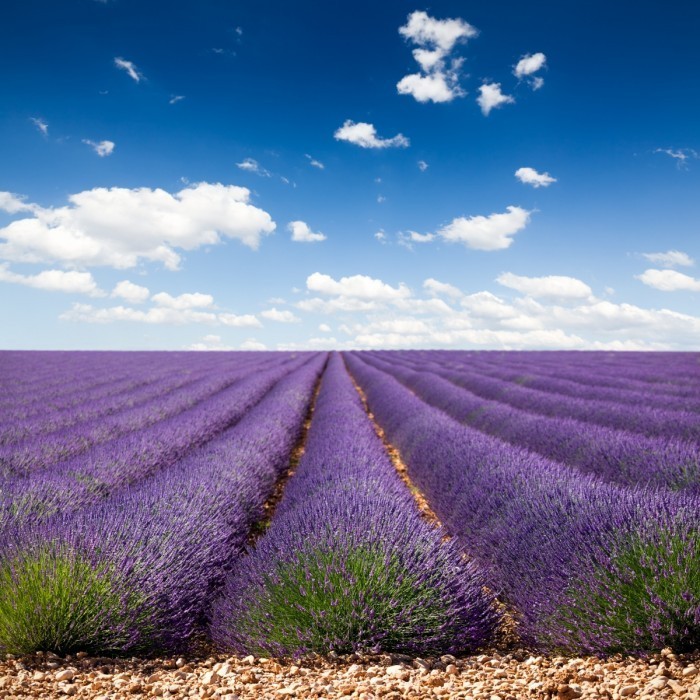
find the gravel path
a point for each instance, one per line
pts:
(485, 677)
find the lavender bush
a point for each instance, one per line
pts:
(536, 525)
(348, 563)
(135, 572)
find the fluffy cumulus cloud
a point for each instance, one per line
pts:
(527, 66)
(122, 227)
(129, 68)
(493, 232)
(669, 281)
(550, 312)
(491, 97)
(195, 300)
(437, 288)
(671, 258)
(557, 287)
(530, 176)
(70, 282)
(280, 316)
(438, 79)
(350, 294)
(365, 135)
(102, 148)
(133, 293)
(301, 233)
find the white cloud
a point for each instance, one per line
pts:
(133, 293)
(356, 287)
(183, 301)
(175, 99)
(436, 38)
(253, 345)
(239, 320)
(13, 204)
(435, 87)
(669, 281)
(422, 166)
(529, 176)
(381, 199)
(529, 64)
(324, 328)
(671, 258)
(436, 288)
(558, 287)
(274, 314)
(680, 155)
(416, 237)
(130, 69)
(487, 305)
(210, 343)
(365, 135)
(120, 227)
(176, 314)
(102, 148)
(315, 163)
(40, 124)
(250, 165)
(442, 34)
(492, 232)
(491, 97)
(71, 282)
(301, 233)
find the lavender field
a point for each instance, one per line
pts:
(279, 503)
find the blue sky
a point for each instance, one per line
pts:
(305, 175)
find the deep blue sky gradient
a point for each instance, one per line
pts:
(622, 80)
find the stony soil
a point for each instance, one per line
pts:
(485, 677)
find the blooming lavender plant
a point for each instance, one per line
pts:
(615, 455)
(347, 562)
(536, 526)
(135, 571)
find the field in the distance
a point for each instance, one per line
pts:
(421, 503)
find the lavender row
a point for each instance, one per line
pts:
(89, 406)
(587, 566)
(27, 376)
(348, 563)
(91, 476)
(136, 572)
(615, 455)
(641, 419)
(539, 380)
(42, 451)
(661, 373)
(112, 384)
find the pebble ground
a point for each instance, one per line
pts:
(492, 676)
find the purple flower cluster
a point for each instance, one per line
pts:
(348, 563)
(159, 548)
(544, 531)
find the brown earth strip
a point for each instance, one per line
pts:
(259, 528)
(507, 635)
